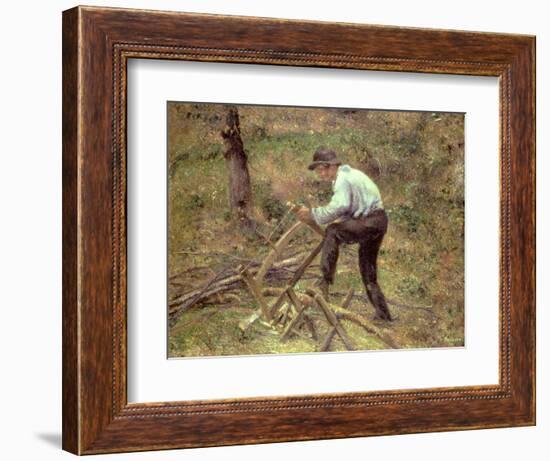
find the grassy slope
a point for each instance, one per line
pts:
(417, 160)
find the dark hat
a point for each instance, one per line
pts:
(324, 156)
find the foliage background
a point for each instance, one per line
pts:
(417, 161)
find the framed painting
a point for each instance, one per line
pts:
(281, 230)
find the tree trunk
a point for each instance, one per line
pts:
(237, 167)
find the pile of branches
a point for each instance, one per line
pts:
(225, 281)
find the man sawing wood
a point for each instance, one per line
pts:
(355, 214)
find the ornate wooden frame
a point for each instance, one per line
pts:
(97, 43)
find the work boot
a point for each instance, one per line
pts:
(379, 317)
(378, 300)
(322, 285)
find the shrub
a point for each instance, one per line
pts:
(408, 216)
(196, 202)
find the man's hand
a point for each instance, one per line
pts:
(304, 215)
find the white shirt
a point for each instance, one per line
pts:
(354, 195)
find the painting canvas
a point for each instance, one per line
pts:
(313, 230)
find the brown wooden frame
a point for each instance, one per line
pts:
(97, 43)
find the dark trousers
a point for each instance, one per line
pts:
(369, 232)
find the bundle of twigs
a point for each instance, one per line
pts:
(226, 280)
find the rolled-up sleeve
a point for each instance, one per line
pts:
(339, 204)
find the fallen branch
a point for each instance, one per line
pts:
(360, 320)
(346, 314)
(199, 293)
